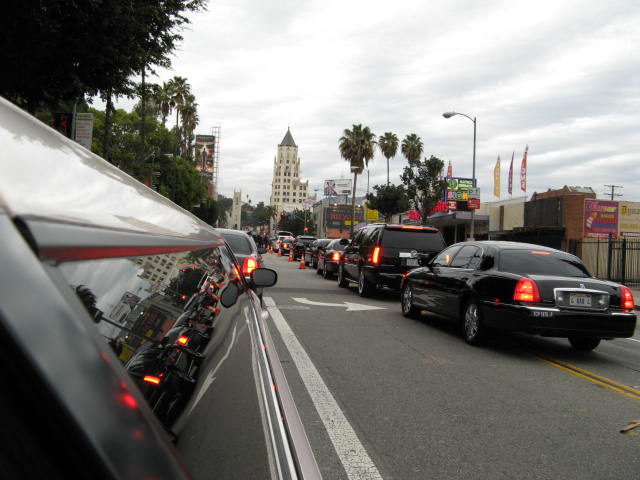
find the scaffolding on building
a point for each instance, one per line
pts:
(213, 180)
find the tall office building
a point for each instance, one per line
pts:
(288, 192)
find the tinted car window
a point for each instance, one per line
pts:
(336, 245)
(464, 256)
(443, 259)
(238, 244)
(541, 262)
(416, 239)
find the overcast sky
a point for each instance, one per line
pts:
(561, 76)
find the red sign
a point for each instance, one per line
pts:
(473, 203)
(453, 205)
(600, 218)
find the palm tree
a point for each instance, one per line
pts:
(356, 147)
(164, 101)
(189, 116)
(180, 89)
(389, 146)
(412, 148)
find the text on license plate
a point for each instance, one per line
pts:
(412, 262)
(580, 300)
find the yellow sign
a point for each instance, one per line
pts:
(372, 214)
(629, 219)
(496, 178)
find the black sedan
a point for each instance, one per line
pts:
(519, 287)
(315, 249)
(329, 259)
(244, 248)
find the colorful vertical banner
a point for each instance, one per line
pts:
(511, 174)
(205, 145)
(600, 218)
(496, 179)
(449, 170)
(523, 171)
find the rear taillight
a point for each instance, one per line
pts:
(249, 265)
(375, 258)
(335, 256)
(152, 380)
(183, 340)
(526, 291)
(626, 298)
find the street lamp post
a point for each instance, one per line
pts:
(473, 172)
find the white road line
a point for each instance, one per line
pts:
(351, 452)
(633, 340)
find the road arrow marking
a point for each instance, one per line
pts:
(351, 307)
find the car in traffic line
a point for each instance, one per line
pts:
(315, 249)
(244, 248)
(300, 246)
(91, 255)
(380, 254)
(495, 285)
(329, 260)
(286, 245)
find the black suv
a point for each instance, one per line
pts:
(381, 253)
(302, 243)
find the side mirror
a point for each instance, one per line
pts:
(424, 258)
(229, 295)
(264, 277)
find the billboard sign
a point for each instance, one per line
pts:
(84, 129)
(629, 219)
(600, 218)
(203, 161)
(336, 188)
(458, 191)
(339, 216)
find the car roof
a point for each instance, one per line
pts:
(507, 245)
(96, 193)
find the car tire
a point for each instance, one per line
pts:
(325, 273)
(473, 329)
(584, 344)
(365, 288)
(342, 282)
(408, 309)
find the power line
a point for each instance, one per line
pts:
(613, 187)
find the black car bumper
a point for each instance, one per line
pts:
(556, 322)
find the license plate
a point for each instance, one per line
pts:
(579, 300)
(412, 262)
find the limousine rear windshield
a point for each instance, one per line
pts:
(541, 262)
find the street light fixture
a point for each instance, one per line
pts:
(473, 177)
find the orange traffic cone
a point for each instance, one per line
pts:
(290, 255)
(302, 265)
(279, 252)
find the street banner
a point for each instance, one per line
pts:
(600, 218)
(523, 171)
(496, 179)
(84, 129)
(511, 173)
(629, 219)
(205, 146)
(63, 123)
(449, 170)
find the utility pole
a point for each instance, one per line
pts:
(613, 187)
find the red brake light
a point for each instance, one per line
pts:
(526, 291)
(249, 265)
(151, 379)
(375, 258)
(183, 340)
(335, 256)
(626, 298)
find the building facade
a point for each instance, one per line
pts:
(288, 192)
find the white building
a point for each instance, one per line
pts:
(288, 192)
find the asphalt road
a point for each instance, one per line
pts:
(395, 398)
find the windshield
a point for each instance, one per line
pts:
(534, 262)
(413, 239)
(239, 244)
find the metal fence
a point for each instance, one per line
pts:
(611, 259)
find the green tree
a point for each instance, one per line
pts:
(388, 199)
(424, 187)
(209, 211)
(180, 182)
(164, 101)
(294, 222)
(389, 146)
(357, 147)
(64, 50)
